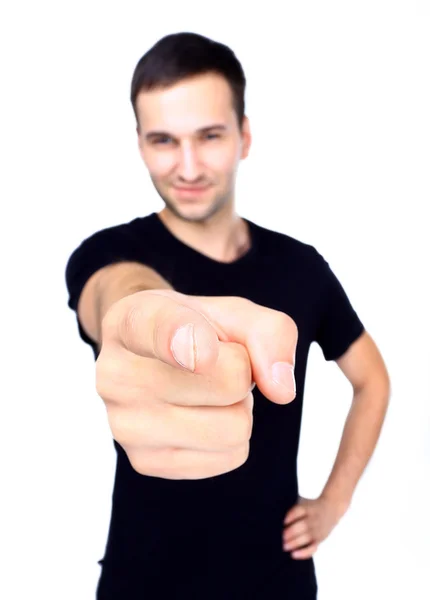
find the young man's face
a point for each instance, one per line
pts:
(191, 143)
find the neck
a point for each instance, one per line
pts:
(224, 237)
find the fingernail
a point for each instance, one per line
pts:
(183, 347)
(283, 373)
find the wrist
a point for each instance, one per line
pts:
(339, 501)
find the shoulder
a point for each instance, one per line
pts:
(128, 241)
(121, 239)
(284, 246)
(130, 229)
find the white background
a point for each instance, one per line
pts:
(339, 99)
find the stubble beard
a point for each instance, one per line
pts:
(217, 204)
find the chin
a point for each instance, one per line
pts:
(193, 210)
(195, 213)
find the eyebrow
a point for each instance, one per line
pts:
(153, 134)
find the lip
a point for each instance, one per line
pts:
(191, 190)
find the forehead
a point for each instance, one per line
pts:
(187, 106)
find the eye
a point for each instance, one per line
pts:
(162, 141)
(212, 136)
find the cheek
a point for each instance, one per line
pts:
(159, 165)
(222, 160)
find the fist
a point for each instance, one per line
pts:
(176, 374)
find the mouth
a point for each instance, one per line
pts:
(191, 191)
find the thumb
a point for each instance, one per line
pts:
(161, 328)
(158, 324)
(270, 337)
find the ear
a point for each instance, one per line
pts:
(246, 137)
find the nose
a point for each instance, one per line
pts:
(189, 169)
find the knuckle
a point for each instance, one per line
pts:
(237, 428)
(285, 323)
(240, 303)
(123, 378)
(238, 373)
(236, 458)
(166, 463)
(108, 374)
(116, 424)
(125, 428)
(109, 323)
(122, 425)
(242, 456)
(138, 462)
(102, 376)
(244, 427)
(127, 324)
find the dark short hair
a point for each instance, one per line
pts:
(182, 55)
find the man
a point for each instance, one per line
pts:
(201, 323)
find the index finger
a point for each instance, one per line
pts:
(296, 513)
(270, 337)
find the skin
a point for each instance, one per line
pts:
(181, 147)
(176, 374)
(192, 152)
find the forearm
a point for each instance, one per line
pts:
(108, 286)
(122, 280)
(360, 435)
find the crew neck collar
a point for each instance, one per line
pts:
(242, 260)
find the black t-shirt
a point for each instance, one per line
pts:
(221, 537)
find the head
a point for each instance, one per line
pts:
(188, 96)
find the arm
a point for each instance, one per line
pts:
(364, 367)
(310, 521)
(108, 285)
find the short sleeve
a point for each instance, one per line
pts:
(338, 325)
(103, 248)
